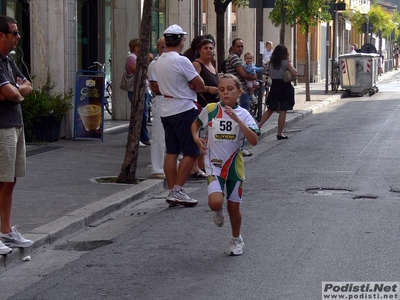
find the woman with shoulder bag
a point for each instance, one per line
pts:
(281, 95)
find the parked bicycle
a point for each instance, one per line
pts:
(264, 86)
(107, 84)
(336, 75)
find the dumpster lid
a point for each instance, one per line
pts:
(358, 55)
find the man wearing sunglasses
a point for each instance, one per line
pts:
(14, 87)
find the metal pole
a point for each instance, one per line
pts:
(327, 57)
(259, 38)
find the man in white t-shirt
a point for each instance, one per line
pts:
(178, 81)
(267, 52)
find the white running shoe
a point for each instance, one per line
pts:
(180, 197)
(15, 239)
(141, 145)
(236, 246)
(4, 249)
(219, 217)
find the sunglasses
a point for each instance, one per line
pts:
(14, 33)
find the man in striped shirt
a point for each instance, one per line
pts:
(234, 65)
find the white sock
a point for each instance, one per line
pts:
(177, 187)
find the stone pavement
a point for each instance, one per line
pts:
(60, 196)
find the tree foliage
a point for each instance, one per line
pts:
(383, 22)
(220, 7)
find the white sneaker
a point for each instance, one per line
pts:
(15, 239)
(246, 153)
(236, 246)
(180, 197)
(158, 176)
(219, 217)
(4, 249)
(141, 145)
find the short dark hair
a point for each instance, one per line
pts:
(5, 22)
(172, 41)
(234, 41)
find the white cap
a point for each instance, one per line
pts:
(174, 30)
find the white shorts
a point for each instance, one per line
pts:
(234, 189)
(249, 83)
(12, 153)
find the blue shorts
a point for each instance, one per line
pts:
(245, 100)
(178, 135)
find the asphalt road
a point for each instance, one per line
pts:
(320, 206)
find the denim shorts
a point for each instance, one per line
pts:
(245, 100)
(178, 135)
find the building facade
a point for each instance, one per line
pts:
(60, 37)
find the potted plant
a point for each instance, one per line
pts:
(43, 112)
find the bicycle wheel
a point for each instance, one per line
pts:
(335, 84)
(108, 99)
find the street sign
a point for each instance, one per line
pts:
(266, 3)
(365, 25)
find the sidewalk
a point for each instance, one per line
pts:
(60, 195)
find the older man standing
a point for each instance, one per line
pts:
(178, 81)
(14, 87)
(157, 150)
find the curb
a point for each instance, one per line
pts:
(81, 218)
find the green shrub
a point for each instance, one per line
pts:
(41, 104)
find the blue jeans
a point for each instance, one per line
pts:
(245, 100)
(144, 134)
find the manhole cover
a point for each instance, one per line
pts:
(327, 191)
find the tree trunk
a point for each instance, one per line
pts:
(128, 168)
(220, 9)
(308, 98)
(282, 30)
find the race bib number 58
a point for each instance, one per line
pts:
(225, 130)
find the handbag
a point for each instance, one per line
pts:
(287, 76)
(127, 81)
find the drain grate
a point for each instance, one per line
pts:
(327, 191)
(365, 197)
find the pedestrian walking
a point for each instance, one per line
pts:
(396, 53)
(228, 126)
(157, 151)
(134, 48)
(281, 96)
(14, 87)
(178, 81)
